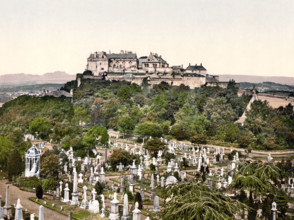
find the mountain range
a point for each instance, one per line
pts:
(60, 77)
(258, 79)
(57, 77)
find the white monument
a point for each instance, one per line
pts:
(32, 158)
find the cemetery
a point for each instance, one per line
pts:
(125, 179)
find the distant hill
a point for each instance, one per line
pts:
(57, 77)
(258, 79)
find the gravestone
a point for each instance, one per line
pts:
(156, 207)
(171, 180)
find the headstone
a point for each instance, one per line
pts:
(18, 211)
(7, 206)
(84, 204)
(171, 180)
(80, 178)
(142, 194)
(32, 216)
(274, 210)
(1, 213)
(114, 214)
(102, 174)
(94, 204)
(156, 207)
(125, 209)
(122, 186)
(162, 182)
(136, 212)
(66, 194)
(69, 216)
(75, 195)
(41, 213)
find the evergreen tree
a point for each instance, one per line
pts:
(39, 192)
(14, 164)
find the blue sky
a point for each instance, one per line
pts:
(254, 37)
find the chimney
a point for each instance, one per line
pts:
(189, 64)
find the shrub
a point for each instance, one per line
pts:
(99, 187)
(130, 195)
(49, 184)
(138, 199)
(198, 139)
(39, 192)
(28, 182)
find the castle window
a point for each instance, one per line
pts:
(102, 68)
(146, 65)
(154, 65)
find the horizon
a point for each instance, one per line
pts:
(48, 36)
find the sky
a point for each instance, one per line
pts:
(244, 37)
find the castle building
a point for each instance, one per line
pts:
(153, 64)
(126, 66)
(101, 63)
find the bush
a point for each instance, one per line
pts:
(49, 184)
(39, 192)
(198, 139)
(28, 182)
(138, 199)
(152, 167)
(99, 187)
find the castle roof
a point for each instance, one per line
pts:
(196, 67)
(122, 56)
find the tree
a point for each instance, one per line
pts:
(14, 164)
(5, 148)
(49, 166)
(39, 192)
(197, 201)
(198, 139)
(99, 187)
(138, 199)
(155, 145)
(41, 126)
(124, 93)
(81, 114)
(120, 156)
(147, 129)
(244, 141)
(96, 133)
(126, 125)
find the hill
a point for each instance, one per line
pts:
(258, 79)
(30, 79)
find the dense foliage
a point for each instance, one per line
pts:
(197, 201)
(202, 115)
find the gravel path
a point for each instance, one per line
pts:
(24, 196)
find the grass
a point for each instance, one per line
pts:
(77, 213)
